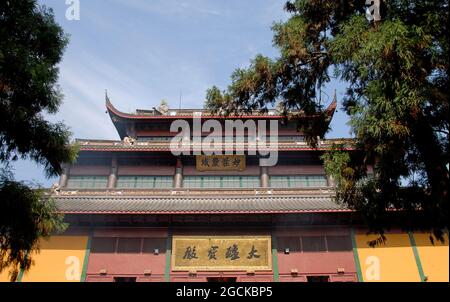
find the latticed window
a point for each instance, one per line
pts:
(154, 138)
(279, 181)
(192, 182)
(163, 182)
(290, 138)
(87, 182)
(251, 181)
(231, 182)
(128, 245)
(291, 243)
(339, 243)
(144, 182)
(103, 245)
(298, 181)
(328, 243)
(221, 182)
(313, 244)
(210, 182)
(316, 181)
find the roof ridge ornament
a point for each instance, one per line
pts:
(163, 107)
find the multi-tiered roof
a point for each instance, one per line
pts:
(195, 201)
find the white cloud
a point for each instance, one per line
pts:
(83, 83)
(83, 79)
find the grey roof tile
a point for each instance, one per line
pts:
(213, 204)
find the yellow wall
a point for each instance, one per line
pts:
(390, 262)
(4, 275)
(434, 258)
(60, 259)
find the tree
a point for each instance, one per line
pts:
(31, 46)
(396, 71)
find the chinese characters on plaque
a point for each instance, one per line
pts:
(220, 162)
(221, 252)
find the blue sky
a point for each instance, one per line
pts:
(143, 51)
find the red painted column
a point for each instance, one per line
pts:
(64, 175)
(178, 178)
(112, 179)
(264, 177)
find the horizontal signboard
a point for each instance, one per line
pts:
(221, 253)
(220, 162)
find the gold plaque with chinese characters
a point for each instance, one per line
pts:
(221, 253)
(220, 162)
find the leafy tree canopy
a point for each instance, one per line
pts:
(396, 71)
(31, 46)
(26, 215)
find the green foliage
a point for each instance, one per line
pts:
(26, 216)
(336, 161)
(31, 46)
(293, 80)
(397, 100)
(396, 72)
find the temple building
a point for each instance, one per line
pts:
(139, 212)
